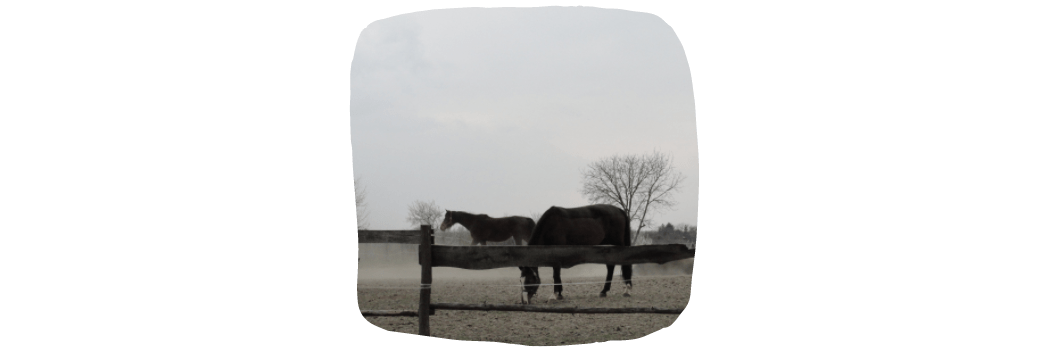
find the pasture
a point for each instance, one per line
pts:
(389, 279)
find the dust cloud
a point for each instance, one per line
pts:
(379, 262)
(674, 268)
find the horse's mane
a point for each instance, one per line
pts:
(470, 214)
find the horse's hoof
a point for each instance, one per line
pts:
(627, 294)
(559, 297)
(602, 294)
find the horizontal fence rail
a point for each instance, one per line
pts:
(389, 236)
(563, 256)
(390, 313)
(527, 308)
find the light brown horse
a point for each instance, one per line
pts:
(487, 229)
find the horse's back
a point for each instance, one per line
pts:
(500, 229)
(587, 225)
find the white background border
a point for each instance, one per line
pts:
(177, 178)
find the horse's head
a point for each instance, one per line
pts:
(448, 221)
(530, 283)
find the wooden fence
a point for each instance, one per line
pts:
(491, 257)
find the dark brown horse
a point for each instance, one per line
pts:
(487, 229)
(588, 225)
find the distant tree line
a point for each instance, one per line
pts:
(670, 234)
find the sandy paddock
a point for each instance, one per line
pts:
(501, 287)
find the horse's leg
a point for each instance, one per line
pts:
(557, 275)
(609, 279)
(625, 270)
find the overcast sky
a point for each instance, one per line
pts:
(498, 111)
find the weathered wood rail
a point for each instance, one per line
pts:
(563, 256)
(491, 257)
(389, 236)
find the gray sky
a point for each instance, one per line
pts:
(498, 111)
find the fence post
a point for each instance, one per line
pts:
(425, 280)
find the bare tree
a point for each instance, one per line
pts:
(640, 184)
(424, 213)
(360, 205)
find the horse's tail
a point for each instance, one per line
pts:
(532, 226)
(536, 237)
(627, 228)
(524, 227)
(625, 269)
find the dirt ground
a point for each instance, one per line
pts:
(654, 286)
